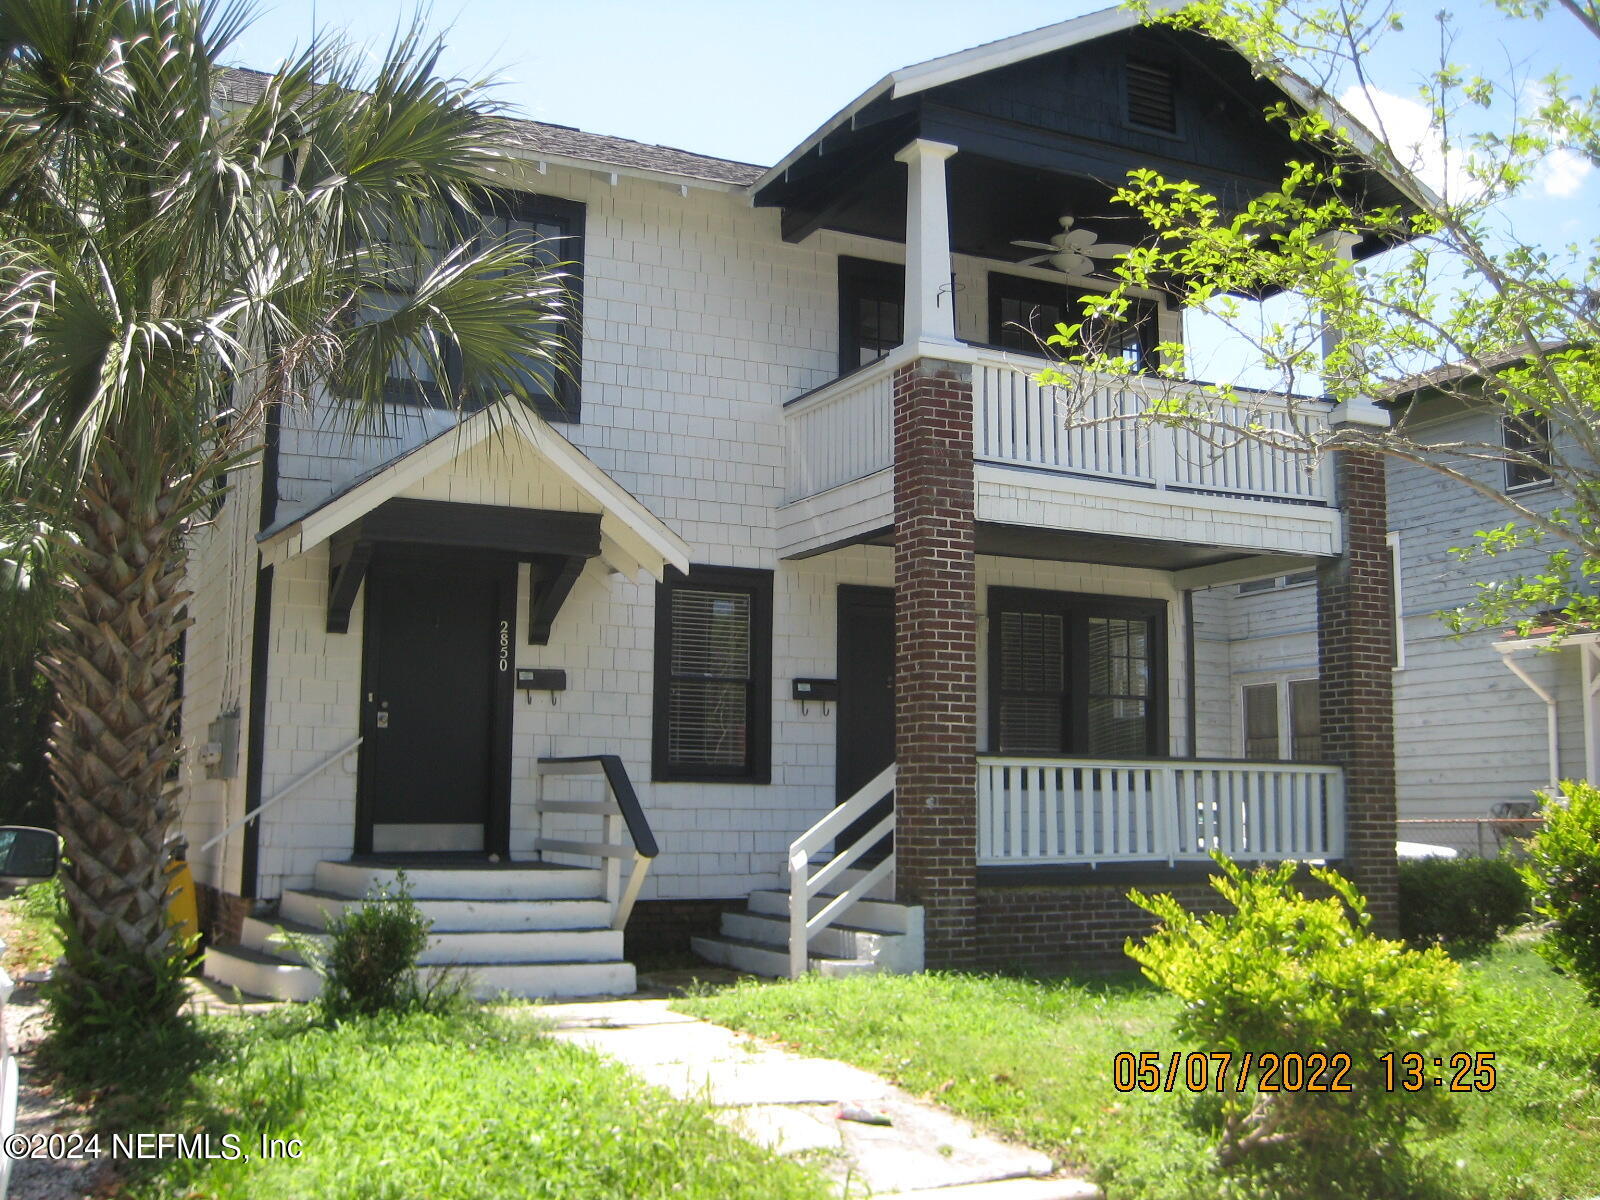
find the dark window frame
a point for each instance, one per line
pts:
(1529, 434)
(1025, 289)
(566, 405)
(758, 585)
(865, 279)
(1076, 609)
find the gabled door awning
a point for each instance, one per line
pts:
(394, 504)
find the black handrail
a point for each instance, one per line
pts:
(644, 841)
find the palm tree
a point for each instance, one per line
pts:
(172, 265)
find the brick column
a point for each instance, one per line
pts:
(936, 655)
(1355, 651)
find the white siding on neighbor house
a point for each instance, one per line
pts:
(1468, 733)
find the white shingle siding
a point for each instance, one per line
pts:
(699, 322)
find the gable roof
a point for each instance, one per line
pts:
(563, 142)
(632, 537)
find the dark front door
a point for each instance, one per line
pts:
(436, 696)
(866, 700)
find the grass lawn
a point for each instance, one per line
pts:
(1031, 1059)
(29, 928)
(471, 1107)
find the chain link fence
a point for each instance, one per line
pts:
(1471, 837)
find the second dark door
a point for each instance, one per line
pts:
(866, 701)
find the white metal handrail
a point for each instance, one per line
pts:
(1094, 811)
(283, 793)
(620, 811)
(804, 885)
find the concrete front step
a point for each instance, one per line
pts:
(519, 881)
(885, 916)
(836, 941)
(313, 906)
(456, 946)
(761, 958)
(258, 974)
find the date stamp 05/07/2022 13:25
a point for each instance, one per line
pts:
(1153, 1071)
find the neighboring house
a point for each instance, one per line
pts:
(1482, 720)
(801, 532)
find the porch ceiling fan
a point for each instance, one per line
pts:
(1073, 250)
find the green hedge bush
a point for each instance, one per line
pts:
(1563, 869)
(1284, 973)
(1462, 902)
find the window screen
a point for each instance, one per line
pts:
(1305, 721)
(1023, 312)
(1032, 683)
(1529, 436)
(1261, 721)
(871, 311)
(1119, 687)
(713, 668)
(1073, 674)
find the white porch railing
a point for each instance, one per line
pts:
(1020, 423)
(1052, 810)
(804, 885)
(840, 432)
(621, 811)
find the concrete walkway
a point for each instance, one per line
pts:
(791, 1105)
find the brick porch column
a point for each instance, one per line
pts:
(1355, 650)
(936, 655)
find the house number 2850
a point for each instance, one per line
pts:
(505, 645)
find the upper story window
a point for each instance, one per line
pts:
(1023, 312)
(1528, 435)
(1150, 96)
(872, 300)
(713, 684)
(555, 228)
(1075, 674)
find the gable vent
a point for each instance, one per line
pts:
(1152, 100)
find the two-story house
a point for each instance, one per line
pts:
(797, 606)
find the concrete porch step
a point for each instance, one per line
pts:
(507, 881)
(456, 946)
(313, 906)
(883, 916)
(762, 958)
(258, 974)
(837, 941)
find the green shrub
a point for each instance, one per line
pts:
(1563, 872)
(1463, 902)
(1287, 974)
(369, 964)
(102, 988)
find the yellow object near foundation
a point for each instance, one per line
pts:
(183, 911)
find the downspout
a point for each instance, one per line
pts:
(1192, 731)
(260, 637)
(1552, 737)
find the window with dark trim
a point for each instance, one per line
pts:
(1023, 312)
(713, 676)
(1076, 674)
(1527, 435)
(1270, 712)
(556, 226)
(872, 303)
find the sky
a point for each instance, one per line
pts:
(749, 80)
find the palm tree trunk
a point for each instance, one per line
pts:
(112, 746)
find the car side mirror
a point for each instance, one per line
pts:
(28, 853)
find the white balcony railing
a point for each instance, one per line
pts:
(1035, 811)
(840, 432)
(1092, 431)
